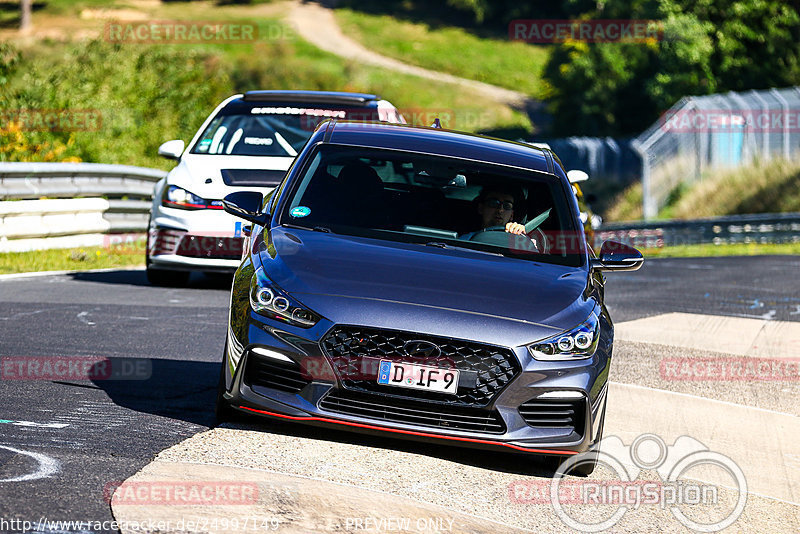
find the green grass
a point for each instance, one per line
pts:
(763, 187)
(495, 60)
(768, 187)
(74, 259)
(176, 86)
(710, 250)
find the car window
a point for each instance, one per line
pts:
(264, 129)
(422, 198)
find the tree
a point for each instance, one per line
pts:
(26, 7)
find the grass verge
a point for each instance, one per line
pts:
(73, 259)
(763, 187)
(711, 250)
(176, 87)
(514, 65)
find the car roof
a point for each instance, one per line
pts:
(326, 97)
(438, 141)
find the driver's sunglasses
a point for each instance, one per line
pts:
(495, 203)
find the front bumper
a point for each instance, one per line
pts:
(201, 240)
(282, 372)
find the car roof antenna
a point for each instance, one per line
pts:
(436, 123)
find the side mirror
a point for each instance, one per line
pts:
(574, 176)
(171, 149)
(246, 205)
(617, 257)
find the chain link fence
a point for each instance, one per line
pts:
(704, 133)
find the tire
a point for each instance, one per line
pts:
(160, 277)
(587, 466)
(222, 409)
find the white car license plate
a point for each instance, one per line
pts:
(409, 375)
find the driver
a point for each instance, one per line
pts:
(495, 205)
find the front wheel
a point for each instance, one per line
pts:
(588, 462)
(222, 409)
(582, 468)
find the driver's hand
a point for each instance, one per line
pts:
(515, 228)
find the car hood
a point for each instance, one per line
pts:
(349, 279)
(194, 171)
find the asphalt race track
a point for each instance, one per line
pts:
(65, 445)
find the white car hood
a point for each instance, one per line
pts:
(195, 169)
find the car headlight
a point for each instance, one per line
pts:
(269, 300)
(578, 343)
(178, 197)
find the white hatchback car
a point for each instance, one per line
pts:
(247, 143)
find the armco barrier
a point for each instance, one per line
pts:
(60, 220)
(758, 228)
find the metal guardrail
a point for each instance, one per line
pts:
(756, 228)
(61, 219)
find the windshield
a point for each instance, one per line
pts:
(437, 201)
(267, 128)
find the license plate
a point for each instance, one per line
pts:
(409, 375)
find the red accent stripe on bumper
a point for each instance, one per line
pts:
(408, 432)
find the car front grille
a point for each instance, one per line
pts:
(420, 413)
(484, 370)
(164, 241)
(220, 248)
(274, 374)
(554, 413)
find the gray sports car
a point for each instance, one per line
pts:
(423, 283)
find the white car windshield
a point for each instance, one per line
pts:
(268, 129)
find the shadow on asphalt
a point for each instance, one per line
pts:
(139, 278)
(186, 391)
(182, 390)
(518, 464)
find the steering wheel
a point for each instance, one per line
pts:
(496, 235)
(533, 244)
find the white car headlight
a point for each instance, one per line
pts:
(578, 343)
(178, 197)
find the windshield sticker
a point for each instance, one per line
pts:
(336, 113)
(203, 145)
(257, 141)
(300, 211)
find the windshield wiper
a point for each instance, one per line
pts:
(323, 229)
(439, 244)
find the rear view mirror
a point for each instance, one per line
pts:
(617, 257)
(171, 149)
(246, 205)
(575, 175)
